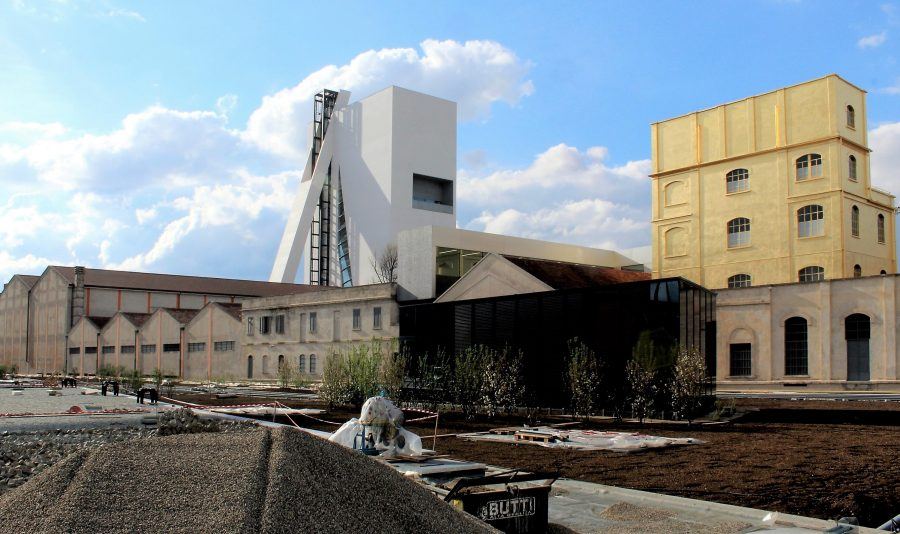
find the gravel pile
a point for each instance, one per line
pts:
(264, 480)
(25, 454)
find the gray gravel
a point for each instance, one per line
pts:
(264, 480)
(27, 453)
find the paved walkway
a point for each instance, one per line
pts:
(39, 401)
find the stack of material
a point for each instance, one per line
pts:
(278, 480)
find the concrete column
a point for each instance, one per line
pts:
(889, 327)
(825, 336)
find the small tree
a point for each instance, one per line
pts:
(335, 387)
(285, 373)
(157, 377)
(392, 373)
(584, 379)
(385, 264)
(468, 377)
(688, 382)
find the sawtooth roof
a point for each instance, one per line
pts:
(182, 284)
(562, 275)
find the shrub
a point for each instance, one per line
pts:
(584, 379)
(361, 371)
(392, 374)
(687, 384)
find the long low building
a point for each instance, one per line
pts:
(830, 335)
(37, 313)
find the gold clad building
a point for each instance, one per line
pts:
(771, 189)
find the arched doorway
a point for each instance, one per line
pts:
(250, 366)
(857, 329)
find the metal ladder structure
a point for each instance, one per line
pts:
(320, 229)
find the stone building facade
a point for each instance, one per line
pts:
(304, 329)
(829, 335)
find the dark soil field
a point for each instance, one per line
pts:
(821, 459)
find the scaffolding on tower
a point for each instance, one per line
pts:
(320, 229)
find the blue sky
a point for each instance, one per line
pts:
(163, 136)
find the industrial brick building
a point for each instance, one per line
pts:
(37, 320)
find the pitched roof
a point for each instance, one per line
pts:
(232, 309)
(99, 322)
(137, 319)
(181, 315)
(29, 279)
(182, 284)
(561, 275)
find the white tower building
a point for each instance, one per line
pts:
(376, 167)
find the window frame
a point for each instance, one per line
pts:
(738, 280)
(279, 323)
(796, 351)
(313, 323)
(812, 165)
(810, 211)
(376, 318)
(357, 319)
(742, 364)
(809, 272)
(851, 117)
(740, 177)
(313, 361)
(854, 221)
(857, 271)
(880, 229)
(852, 169)
(734, 227)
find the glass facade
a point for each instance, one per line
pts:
(451, 264)
(609, 319)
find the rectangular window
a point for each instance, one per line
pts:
(376, 318)
(74, 350)
(740, 359)
(265, 324)
(312, 364)
(249, 326)
(223, 346)
(90, 350)
(109, 349)
(357, 319)
(196, 347)
(126, 349)
(171, 347)
(279, 324)
(312, 322)
(148, 349)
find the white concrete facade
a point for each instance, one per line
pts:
(417, 249)
(756, 318)
(392, 157)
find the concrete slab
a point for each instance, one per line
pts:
(587, 507)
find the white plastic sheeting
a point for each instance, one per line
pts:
(382, 423)
(590, 440)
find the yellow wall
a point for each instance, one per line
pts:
(765, 135)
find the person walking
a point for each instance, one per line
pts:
(154, 395)
(115, 385)
(140, 395)
(103, 388)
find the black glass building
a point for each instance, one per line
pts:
(609, 319)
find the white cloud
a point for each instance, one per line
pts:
(872, 41)
(225, 104)
(885, 144)
(564, 195)
(19, 132)
(183, 191)
(126, 13)
(475, 74)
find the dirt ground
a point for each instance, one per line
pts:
(821, 459)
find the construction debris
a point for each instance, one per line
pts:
(587, 440)
(263, 480)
